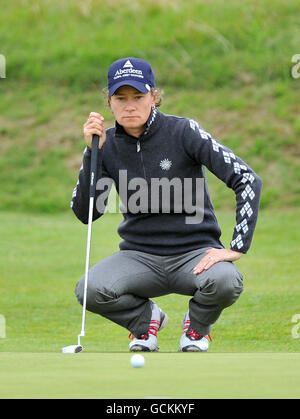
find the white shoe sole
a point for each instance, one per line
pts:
(192, 348)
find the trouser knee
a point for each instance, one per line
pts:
(227, 293)
(221, 286)
(98, 300)
(228, 287)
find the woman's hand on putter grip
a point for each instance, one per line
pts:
(216, 255)
(94, 125)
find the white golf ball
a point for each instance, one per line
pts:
(137, 361)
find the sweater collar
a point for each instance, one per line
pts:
(151, 125)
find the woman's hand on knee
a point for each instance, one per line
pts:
(216, 255)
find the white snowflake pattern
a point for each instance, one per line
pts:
(165, 164)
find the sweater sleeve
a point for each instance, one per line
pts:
(233, 171)
(80, 196)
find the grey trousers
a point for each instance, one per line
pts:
(119, 287)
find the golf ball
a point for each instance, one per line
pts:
(137, 361)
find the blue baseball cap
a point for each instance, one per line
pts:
(130, 71)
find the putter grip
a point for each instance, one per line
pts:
(96, 154)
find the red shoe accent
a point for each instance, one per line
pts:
(196, 336)
(154, 326)
(153, 329)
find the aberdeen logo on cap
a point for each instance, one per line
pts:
(130, 71)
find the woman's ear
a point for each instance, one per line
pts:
(154, 97)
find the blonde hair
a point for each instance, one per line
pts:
(155, 92)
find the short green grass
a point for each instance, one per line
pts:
(176, 376)
(253, 353)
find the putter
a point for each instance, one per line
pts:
(74, 349)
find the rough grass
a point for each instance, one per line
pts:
(225, 63)
(190, 43)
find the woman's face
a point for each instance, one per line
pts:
(132, 108)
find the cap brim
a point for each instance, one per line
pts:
(141, 87)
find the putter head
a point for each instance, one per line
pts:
(72, 349)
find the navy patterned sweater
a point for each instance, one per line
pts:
(160, 178)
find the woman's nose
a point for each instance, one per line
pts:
(130, 106)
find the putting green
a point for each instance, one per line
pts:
(165, 375)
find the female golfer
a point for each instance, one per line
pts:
(170, 234)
